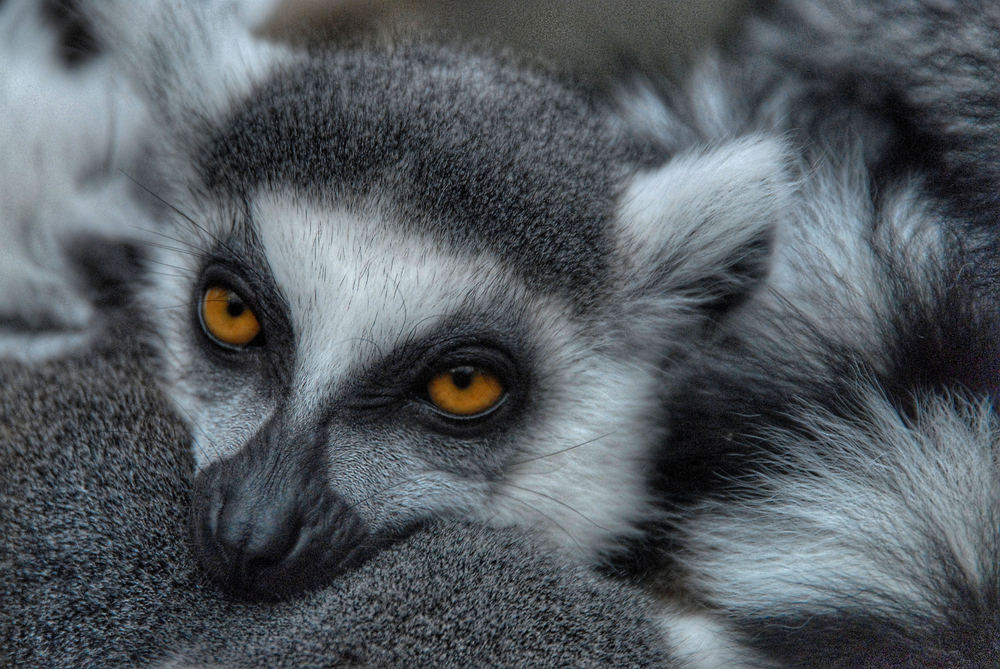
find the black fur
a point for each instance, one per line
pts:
(77, 43)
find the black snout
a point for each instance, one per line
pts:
(255, 532)
(264, 528)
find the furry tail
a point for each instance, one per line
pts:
(189, 59)
(877, 542)
(934, 62)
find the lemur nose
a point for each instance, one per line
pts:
(256, 534)
(266, 530)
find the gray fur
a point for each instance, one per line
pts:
(392, 211)
(877, 542)
(98, 572)
(930, 64)
(479, 154)
(847, 415)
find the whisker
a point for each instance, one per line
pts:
(196, 251)
(563, 450)
(168, 307)
(560, 503)
(547, 516)
(174, 249)
(177, 210)
(198, 226)
(215, 450)
(186, 246)
(382, 491)
(172, 275)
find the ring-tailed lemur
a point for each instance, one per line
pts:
(836, 391)
(415, 281)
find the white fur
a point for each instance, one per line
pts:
(873, 517)
(830, 264)
(191, 62)
(66, 136)
(700, 640)
(702, 207)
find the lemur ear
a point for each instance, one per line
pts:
(186, 59)
(699, 231)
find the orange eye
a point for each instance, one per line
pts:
(465, 391)
(227, 318)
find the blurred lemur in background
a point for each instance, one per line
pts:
(80, 117)
(730, 326)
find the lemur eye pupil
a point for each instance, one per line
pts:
(227, 318)
(235, 306)
(462, 377)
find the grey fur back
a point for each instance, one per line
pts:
(97, 572)
(523, 168)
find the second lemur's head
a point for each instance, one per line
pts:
(410, 283)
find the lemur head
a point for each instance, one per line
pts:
(411, 282)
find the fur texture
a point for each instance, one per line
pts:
(392, 213)
(928, 69)
(814, 459)
(931, 64)
(98, 572)
(872, 537)
(833, 458)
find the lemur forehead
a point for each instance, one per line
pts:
(358, 290)
(484, 156)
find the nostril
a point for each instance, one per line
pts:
(229, 533)
(212, 514)
(262, 536)
(272, 537)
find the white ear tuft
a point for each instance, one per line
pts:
(701, 226)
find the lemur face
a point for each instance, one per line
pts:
(346, 377)
(345, 380)
(414, 282)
